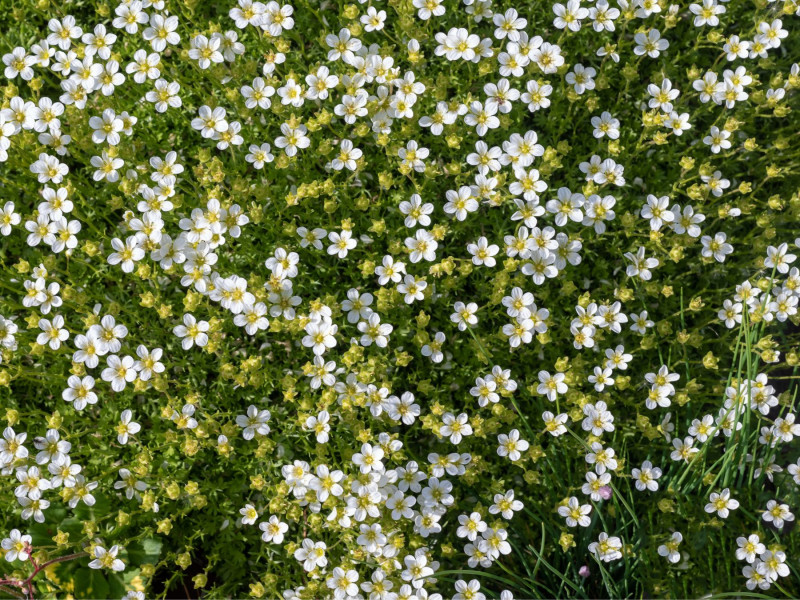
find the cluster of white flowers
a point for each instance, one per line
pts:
(366, 93)
(777, 302)
(60, 472)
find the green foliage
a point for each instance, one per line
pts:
(205, 451)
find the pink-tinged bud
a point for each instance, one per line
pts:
(584, 571)
(605, 492)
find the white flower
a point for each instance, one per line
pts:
(320, 335)
(483, 253)
(457, 44)
(357, 306)
(318, 84)
(277, 18)
(598, 419)
(369, 459)
(9, 218)
(19, 62)
(184, 419)
(433, 349)
(273, 530)
(460, 203)
(205, 51)
(464, 315)
(16, 545)
(455, 427)
(717, 139)
(772, 33)
(706, 14)
(686, 221)
(210, 122)
(684, 449)
(161, 32)
(373, 20)
(657, 211)
(607, 548)
(777, 257)
(49, 169)
(413, 156)
(144, 66)
(721, 503)
(192, 332)
(320, 425)
(165, 95)
(55, 205)
(661, 97)
(581, 78)
(602, 458)
(471, 526)
(773, 565)
(511, 445)
(678, 122)
(640, 265)
(422, 246)
(259, 155)
(428, 8)
(569, 16)
(347, 157)
(33, 508)
(670, 550)
(650, 43)
(63, 32)
(509, 24)
(468, 591)
(127, 427)
(107, 559)
(11, 446)
(31, 483)
(640, 323)
(291, 93)
(777, 514)
(717, 246)
(373, 331)
(536, 95)
(293, 139)
(749, 548)
(119, 371)
(249, 514)
(601, 377)
(129, 17)
(605, 125)
(64, 235)
(551, 385)
(53, 332)
(80, 391)
(548, 58)
(341, 243)
(646, 478)
(107, 167)
(416, 212)
(127, 254)
(575, 513)
(603, 16)
(343, 46)
(482, 117)
(255, 422)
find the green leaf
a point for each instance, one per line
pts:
(145, 551)
(116, 585)
(91, 583)
(102, 507)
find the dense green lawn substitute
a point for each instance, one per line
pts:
(399, 300)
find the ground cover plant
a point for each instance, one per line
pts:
(399, 299)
